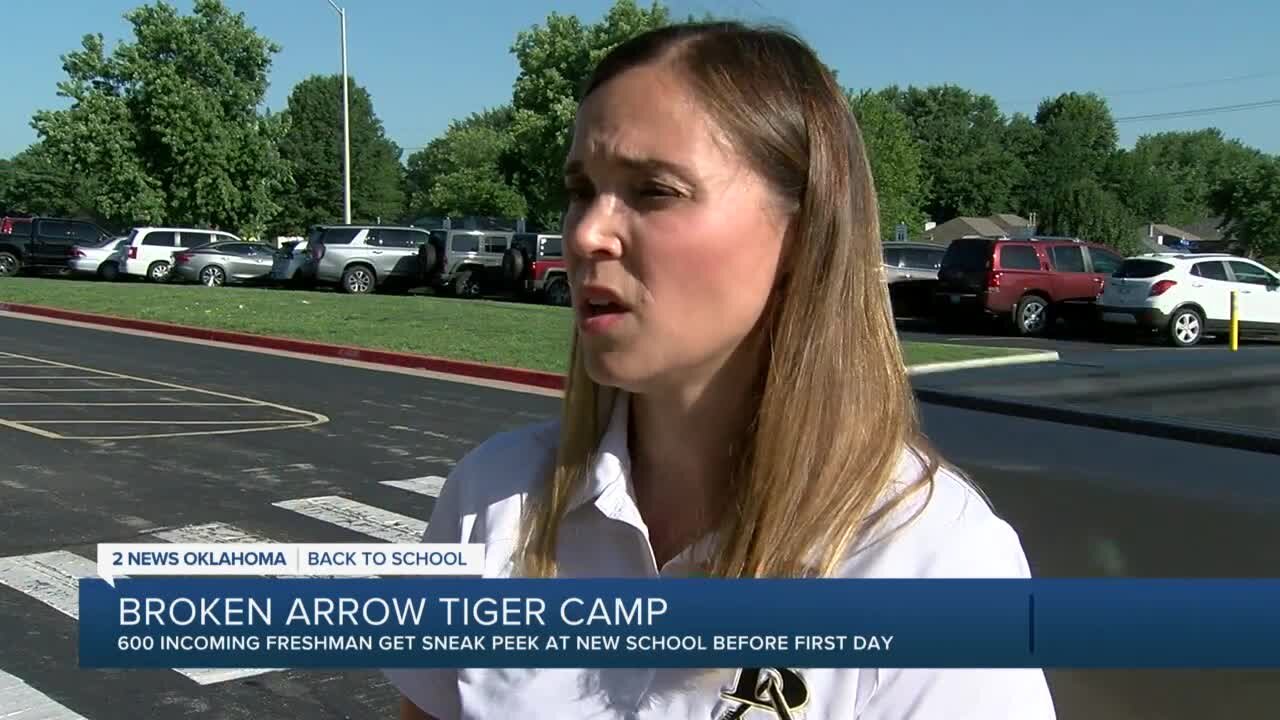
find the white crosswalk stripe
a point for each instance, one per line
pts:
(20, 701)
(52, 577)
(214, 533)
(358, 517)
(429, 485)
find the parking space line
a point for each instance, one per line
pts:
(358, 517)
(94, 389)
(25, 367)
(28, 428)
(57, 377)
(127, 404)
(20, 701)
(157, 422)
(431, 485)
(302, 418)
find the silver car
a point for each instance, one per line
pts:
(363, 258)
(911, 270)
(105, 260)
(221, 263)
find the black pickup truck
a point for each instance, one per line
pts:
(43, 244)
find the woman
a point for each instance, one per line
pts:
(737, 403)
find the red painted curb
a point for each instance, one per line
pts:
(519, 376)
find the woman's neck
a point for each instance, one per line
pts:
(683, 445)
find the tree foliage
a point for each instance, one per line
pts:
(1173, 176)
(36, 183)
(463, 172)
(555, 59)
(1249, 202)
(895, 162)
(312, 147)
(968, 168)
(167, 124)
(1077, 138)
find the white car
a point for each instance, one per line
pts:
(149, 252)
(103, 260)
(1186, 296)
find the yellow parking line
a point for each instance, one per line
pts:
(306, 417)
(192, 433)
(128, 404)
(156, 422)
(95, 389)
(57, 377)
(30, 429)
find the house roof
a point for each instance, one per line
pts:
(961, 226)
(1153, 229)
(1009, 221)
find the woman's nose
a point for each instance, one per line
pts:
(594, 228)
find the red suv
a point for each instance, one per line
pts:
(1029, 282)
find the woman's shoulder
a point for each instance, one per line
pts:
(945, 528)
(486, 490)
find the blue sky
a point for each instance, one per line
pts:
(428, 61)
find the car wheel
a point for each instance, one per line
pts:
(158, 271)
(109, 271)
(466, 286)
(1186, 328)
(9, 264)
(1031, 317)
(558, 293)
(358, 280)
(213, 276)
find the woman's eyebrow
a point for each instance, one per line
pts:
(635, 164)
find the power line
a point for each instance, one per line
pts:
(1193, 84)
(1197, 112)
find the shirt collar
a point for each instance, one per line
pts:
(611, 464)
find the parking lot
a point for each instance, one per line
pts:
(354, 454)
(62, 401)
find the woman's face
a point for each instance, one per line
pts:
(672, 241)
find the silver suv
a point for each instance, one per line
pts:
(471, 260)
(364, 258)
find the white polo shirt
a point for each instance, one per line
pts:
(955, 535)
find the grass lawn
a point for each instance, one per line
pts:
(506, 333)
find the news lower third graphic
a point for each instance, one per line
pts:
(383, 605)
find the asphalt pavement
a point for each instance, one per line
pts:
(214, 444)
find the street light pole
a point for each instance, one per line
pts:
(346, 122)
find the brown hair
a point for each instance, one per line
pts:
(835, 409)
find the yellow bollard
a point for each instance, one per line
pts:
(1235, 322)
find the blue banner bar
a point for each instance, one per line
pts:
(428, 622)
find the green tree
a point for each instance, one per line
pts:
(1083, 208)
(1249, 202)
(463, 171)
(312, 147)
(35, 182)
(555, 59)
(167, 125)
(1022, 139)
(1172, 176)
(967, 167)
(1077, 139)
(895, 162)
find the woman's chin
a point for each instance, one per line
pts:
(616, 369)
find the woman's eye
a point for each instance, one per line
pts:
(654, 190)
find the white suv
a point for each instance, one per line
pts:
(149, 250)
(1185, 296)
